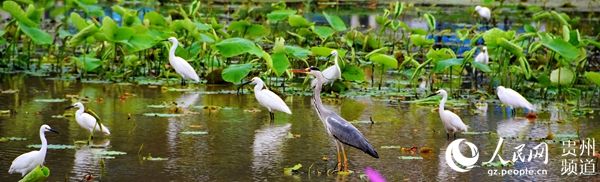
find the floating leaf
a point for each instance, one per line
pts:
(326, 51)
(475, 132)
(52, 146)
(4, 139)
(163, 115)
(279, 15)
(410, 157)
(335, 22)
(104, 152)
(391, 147)
(236, 46)
(290, 171)
(150, 158)
(37, 35)
(50, 100)
(236, 72)
(194, 132)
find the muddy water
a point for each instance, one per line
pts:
(243, 146)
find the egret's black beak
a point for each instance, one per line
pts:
(54, 131)
(248, 82)
(431, 95)
(329, 56)
(69, 107)
(166, 40)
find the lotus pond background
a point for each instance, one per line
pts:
(110, 57)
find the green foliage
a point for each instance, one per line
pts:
(236, 46)
(17, 13)
(280, 15)
(37, 175)
(562, 76)
(37, 35)
(443, 65)
(236, 72)
(335, 22)
(386, 60)
(593, 77)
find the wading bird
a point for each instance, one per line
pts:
(28, 161)
(268, 99)
(452, 122)
(483, 12)
(482, 57)
(88, 121)
(513, 100)
(181, 66)
(338, 128)
(331, 73)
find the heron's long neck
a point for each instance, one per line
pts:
(44, 143)
(317, 95)
(443, 102)
(337, 66)
(258, 87)
(79, 111)
(172, 50)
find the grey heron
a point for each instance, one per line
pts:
(341, 130)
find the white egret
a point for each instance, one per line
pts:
(331, 73)
(28, 161)
(483, 12)
(268, 99)
(482, 57)
(452, 122)
(181, 66)
(87, 120)
(513, 99)
(337, 127)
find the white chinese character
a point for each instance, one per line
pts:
(568, 167)
(496, 154)
(570, 151)
(542, 152)
(588, 147)
(519, 154)
(588, 167)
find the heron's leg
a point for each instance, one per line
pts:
(345, 159)
(448, 136)
(339, 164)
(454, 135)
(272, 115)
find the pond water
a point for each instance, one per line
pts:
(244, 146)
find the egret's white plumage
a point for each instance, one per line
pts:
(181, 66)
(452, 122)
(331, 73)
(482, 57)
(86, 120)
(268, 99)
(28, 161)
(513, 99)
(483, 12)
